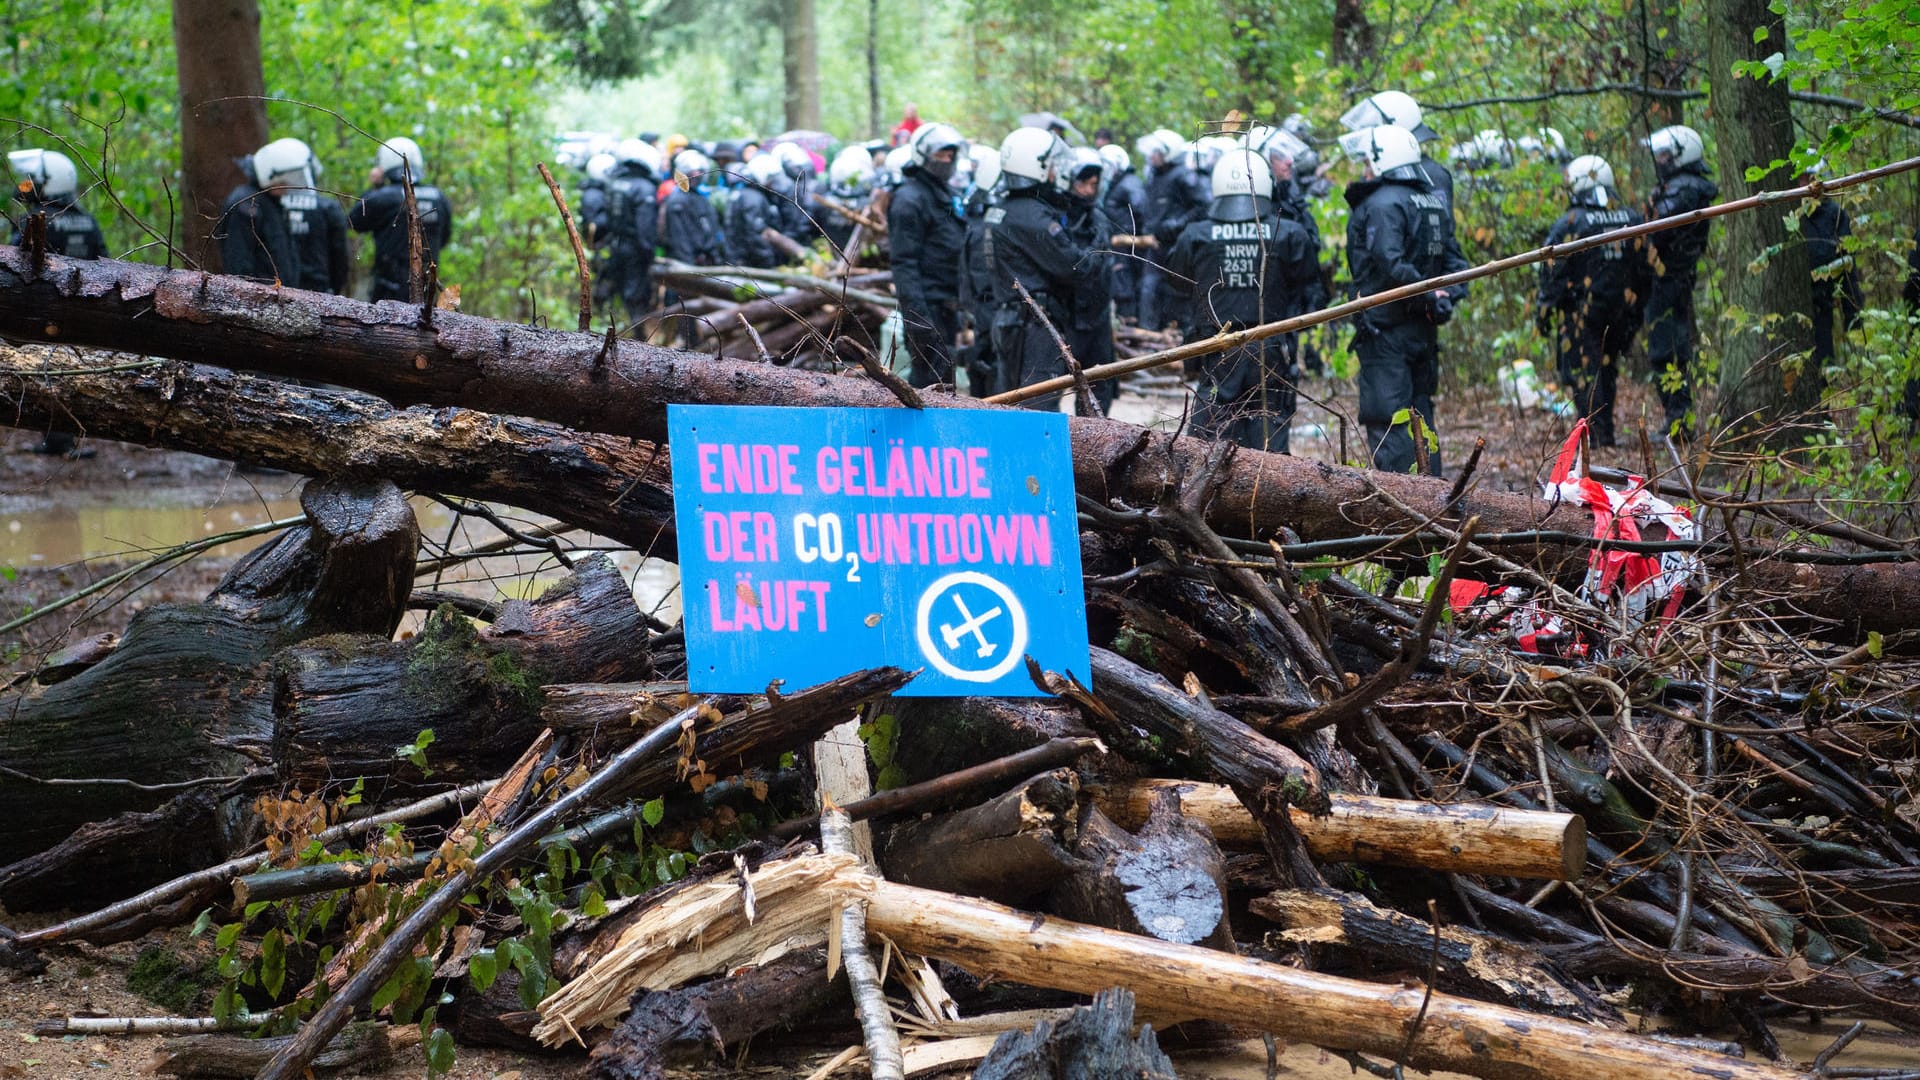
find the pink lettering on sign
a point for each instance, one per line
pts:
(900, 471)
(740, 536)
(768, 605)
(949, 539)
(749, 468)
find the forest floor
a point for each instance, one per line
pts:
(58, 514)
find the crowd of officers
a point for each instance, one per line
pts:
(1007, 259)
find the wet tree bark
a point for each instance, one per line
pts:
(1009, 849)
(693, 1025)
(223, 111)
(1167, 880)
(570, 379)
(183, 696)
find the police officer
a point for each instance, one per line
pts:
(1089, 328)
(256, 240)
(849, 184)
(1248, 265)
(1684, 187)
(1283, 151)
(689, 228)
(1398, 109)
(1125, 204)
(382, 212)
(1028, 243)
(976, 278)
(926, 230)
(754, 216)
(1826, 228)
(1306, 163)
(48, 188)
(1173, 200)
(1598, 294)
(1399, 231)
(318, 227)
(800, 212)
(632, 224)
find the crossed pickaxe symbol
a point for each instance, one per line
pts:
(971, 624)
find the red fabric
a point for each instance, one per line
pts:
(904, 130)
(1463, 594)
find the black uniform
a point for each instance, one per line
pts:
(690, 230)
(1825, 228)
(1028, 242)
(382, 211)
(926, 231)
(1439, 179)
(976, 299)
(1126, 207)
(632, 224)
(1089, 329)
(74, 233)
(750, 212)
(1400, 232)
(256, 240)
(319, 230)
(1670, 299)
(71, 231)
(1174, 199)
(1244, 273)
(1599, 294)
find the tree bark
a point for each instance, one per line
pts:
(223, 111)
(1010, 848)
(1765, 375)
(693, 1025)
(554, 375)
(1093, 1040)
(1166, 880)
(800, 41)
(875, 129)
(1352, 35)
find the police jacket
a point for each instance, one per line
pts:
(1438, 179)
(1688, 189)
(1399, 232)
(1028, 242)
(926, 234)
(690, 230)
(255, 241)
(1174, 198)
(1824, 228)
(382, 212)
(1242, 272)
(1291, 206)
(71, 231)
(1126, 204)
(749, 213)
(632, 212)
(1092, 231)
(976, 277)
(593, 213)
(1603, 282)
(319, 230)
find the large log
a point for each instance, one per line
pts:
(570, 378)
(695, 1024)
(616, 487)
(1343, 1014)
(1010, 848)
(185, 687)
(1166, 880)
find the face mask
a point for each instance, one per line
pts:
(939, 170)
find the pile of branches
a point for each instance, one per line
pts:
(1286, 694)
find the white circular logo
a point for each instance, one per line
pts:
(986, 643)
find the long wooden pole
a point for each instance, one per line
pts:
(1223, 342)
(1342, 1014)
(1462, 838)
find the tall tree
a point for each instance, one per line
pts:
(223, 111)
(1767, 292)
(874, 130)
(1352, 34)
(800, 38)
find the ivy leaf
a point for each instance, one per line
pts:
(654, 812)
(440, 1052)
(273, 962)
(482, 968)
(1875, 644)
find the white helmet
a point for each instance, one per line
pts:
(1590, 179)
(49, 171)
(690, 165)
(1114, 158)
(1242, 186)
(1388, 107)
(1085, 159)
(638, 152)
(1168, 144)
(1544, 144)
(1032, 156)
(1207, 150)
(1393, 152)
(1681, 144)
(766, 170)
(285, 162)
(1491, 150)
(599, 167)
(898, 159)
(930, 139)
(852, 168)
(986, 165)
(401, 150)
(797, 162)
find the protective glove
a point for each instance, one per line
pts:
(1441, 311)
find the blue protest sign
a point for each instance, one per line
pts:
(815, 542)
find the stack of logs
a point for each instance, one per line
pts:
(1283, 799)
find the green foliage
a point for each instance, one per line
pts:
(415, 752)
(882, 737)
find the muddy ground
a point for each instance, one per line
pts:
(147, 499)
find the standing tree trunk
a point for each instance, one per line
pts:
(800, 38)
(1662, 66)
(1352, 34)
(1761, 374)
(874, 130)
(223, 111)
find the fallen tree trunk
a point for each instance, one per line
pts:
(1446, 1032)
(571, 379)
(695, 1024)
(1166, 880)
(1010, 848)
(1464, 838)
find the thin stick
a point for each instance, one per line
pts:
(1048, 755)
(876, 1022)
(579, 250)
(141, 1025)
(1082, 395)
(1223, 342)
(758, 345)
(293, 1059)
(880, 373)
(416, 284)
